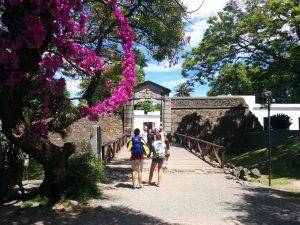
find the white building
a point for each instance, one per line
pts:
(292, 110)
(151, 119)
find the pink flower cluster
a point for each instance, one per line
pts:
(121, 94)
(54, 17)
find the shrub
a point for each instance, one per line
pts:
(295, 153)
(84, 171)
(39, 200)
(147, 106)
(280, 121)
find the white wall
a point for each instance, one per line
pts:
(292, 110)
(140, 118)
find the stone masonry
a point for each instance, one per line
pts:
(222, 120)
(83, 130)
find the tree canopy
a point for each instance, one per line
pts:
(87, 40)
(183, 90)
(158, 28)
(263, 35)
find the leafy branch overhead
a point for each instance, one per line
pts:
(158, 28)
(261, 34)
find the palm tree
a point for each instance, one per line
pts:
(183, 90)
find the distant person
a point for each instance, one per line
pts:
(159, 150)
(150, 140)
(162, 132)
(139, 150)
(155, 132)
(167, 143)
(144, 134)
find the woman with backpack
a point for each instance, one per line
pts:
(139, 151)
(159, 150)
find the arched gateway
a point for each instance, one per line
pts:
(149, 91)
(224, 120)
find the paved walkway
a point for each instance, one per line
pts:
(188, 195)
(180, 161)
(193, 192)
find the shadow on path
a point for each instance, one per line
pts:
(115, 215)
(265, 206)
(118, 175)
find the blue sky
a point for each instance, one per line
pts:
(160, 73)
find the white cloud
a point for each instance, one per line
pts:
(171, 84)
(209, 7)
(197, 32)
(72, 87)
(162, 67)
(198, 27)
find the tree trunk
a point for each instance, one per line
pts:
(55, 168)
(53, 158)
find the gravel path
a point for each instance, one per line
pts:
(208, 199)
(185, 197)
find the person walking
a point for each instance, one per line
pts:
(162, 133)
(167, 143)
(144, 134)
(150, 140)
(159, 150)
(139, 150)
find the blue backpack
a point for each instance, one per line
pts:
(137, 147)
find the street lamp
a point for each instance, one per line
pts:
(268, 95)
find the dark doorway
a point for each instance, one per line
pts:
(150, 125)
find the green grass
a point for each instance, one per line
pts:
(276, 181)
(285, 161)
(27, 204)
(35, 170)
(40, 200)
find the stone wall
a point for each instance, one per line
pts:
(222, 120)
(83, 130)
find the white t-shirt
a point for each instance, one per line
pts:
(144, 135)
(163, 135)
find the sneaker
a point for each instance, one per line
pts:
(140, 186)
(135, 187)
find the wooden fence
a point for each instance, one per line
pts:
(109, 150)
(203, 147)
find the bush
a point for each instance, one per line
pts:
(295, 153)
(84, 171)
(280, 122)
(147, 106)
(39, 200)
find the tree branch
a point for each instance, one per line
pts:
(190, 12)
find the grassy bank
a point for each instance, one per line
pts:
(285, 161)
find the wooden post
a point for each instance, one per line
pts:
(103, 153)
(211, 154)
(99, 142)
(114, 149)
(96, 140)
(223, 158)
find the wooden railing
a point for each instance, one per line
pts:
(203, 148)
(109, 150)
